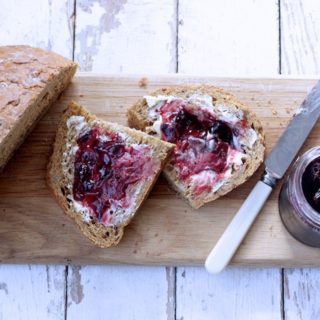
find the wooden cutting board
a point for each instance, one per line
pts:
(166, 231)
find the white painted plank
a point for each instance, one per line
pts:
(251, 294)
(45, 24)
(300, 35)
(228, 37)
(131, 36)
(301, 294)
(234, 294)
(35, 292)
(32, 292)
(117, 292)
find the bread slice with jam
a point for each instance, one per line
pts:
(219, 141)
(101, 172)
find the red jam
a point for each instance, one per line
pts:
(311, 184)
(202, 141)
(104, 168)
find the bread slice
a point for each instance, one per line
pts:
(31, 79)
(244, 155)
(62, 176)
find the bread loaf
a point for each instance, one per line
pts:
(31, 79)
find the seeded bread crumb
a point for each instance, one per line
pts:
(99, 234)
(138, 118)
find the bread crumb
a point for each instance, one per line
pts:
(274, 110)
(143, 82)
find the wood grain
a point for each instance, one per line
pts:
(35, 292)
(160, 234)
(228, 38)
(300, 34)
(301, 292)
(44, 24)
(32, 292)
(236, 293)
(139, 293)
(126, 36)
(233, 38)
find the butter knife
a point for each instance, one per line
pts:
(276, 164)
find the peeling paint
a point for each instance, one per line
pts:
(48, 278)
(170, 276)
(103, 19)
(76, 288)
(4, 287)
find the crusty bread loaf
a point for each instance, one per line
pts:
(61, 172)
(31, 79)
(139, 117)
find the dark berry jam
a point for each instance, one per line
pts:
(104, 169)
(311, 184)
(202, 141)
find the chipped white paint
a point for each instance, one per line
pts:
(300, 34)
(237, 38)
(300, 51)
(35, 292)
(301, 294)
(126, 36)
(32, 292)
(117, 292)
(249, 294)
(229, 37)
(138, 37)
(45, 24)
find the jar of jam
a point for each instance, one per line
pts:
(299, 200)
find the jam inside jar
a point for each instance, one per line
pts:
(299, 199)
(311, 184)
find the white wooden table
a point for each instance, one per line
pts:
(230, 37)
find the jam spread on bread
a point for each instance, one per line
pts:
(311, 184)
(104, 170)
(203, 142)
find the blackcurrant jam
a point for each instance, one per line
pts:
(105, 168)
(311, 184)
(202, 141)
(299, 200)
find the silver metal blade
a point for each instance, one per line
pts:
(293, 137)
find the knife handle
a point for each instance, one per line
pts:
(232, 237)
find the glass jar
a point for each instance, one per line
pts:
(298, 216)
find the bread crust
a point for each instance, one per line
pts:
(138, 118)
(31, 79)
(99, 234)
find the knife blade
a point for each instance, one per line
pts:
(290, 142)
(276, 164)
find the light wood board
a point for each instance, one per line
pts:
(166, 230)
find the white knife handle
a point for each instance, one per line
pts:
(232, 237)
